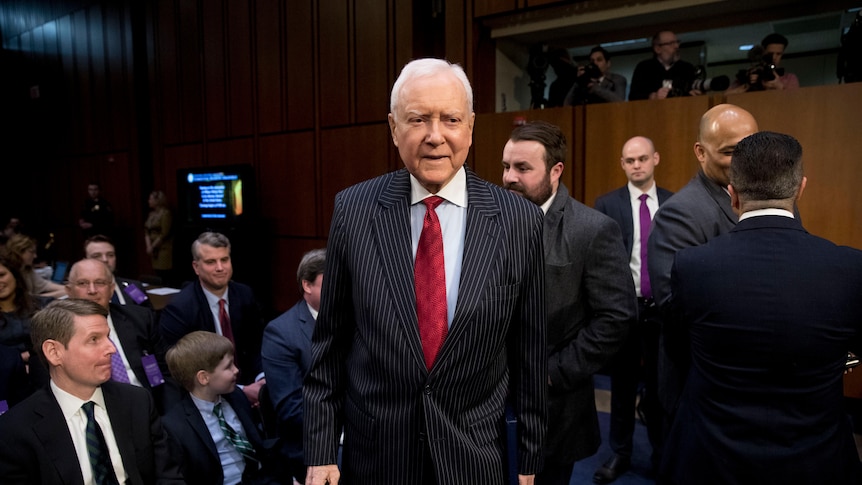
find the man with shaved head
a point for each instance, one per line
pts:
(632, 207)
(140, 356)
(697, 213)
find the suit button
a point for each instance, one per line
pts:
(428, 390)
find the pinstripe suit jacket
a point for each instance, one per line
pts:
(368, 372)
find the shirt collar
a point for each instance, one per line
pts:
(547, 205)
(766, 212)
(70, 404)
(454, 192)
(212, 299)
(635, 192)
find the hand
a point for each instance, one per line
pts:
(660, 94)
(775, 83)
(252, 392)
(25, 356)
(322, 475)
(526, 479)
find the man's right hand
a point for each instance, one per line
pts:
(322, 475)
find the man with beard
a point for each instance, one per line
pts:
(590, 296)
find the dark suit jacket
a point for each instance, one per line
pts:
(189, 311)
(617, 205)
(192, 443)
(139, 334)
(591, 304)
(697, 213)
(368, 370)
(37, 448)
(772, 312)
(286, 356)
(611, 88)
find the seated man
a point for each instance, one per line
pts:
(126, 291)
(212, 430)
(140, 355)
(286, 357)
(217, 304)
(82, 427)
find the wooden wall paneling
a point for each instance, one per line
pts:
(335, 81)
(348, 156)
(230, 152)
(301, 66)
(269, 49)
(177, 157)
(459, 44)
(241, 99)
(215, 73)
(482, 8)
(83, 85)
(492, 130)
(401, 39)
(372, 81)
(287, 191)
(119, 55)
(191, 89)
(169, 122)
(672, 125)
(101, 89)
(825, 120)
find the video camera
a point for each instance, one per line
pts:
(762, 70)
(682, 87)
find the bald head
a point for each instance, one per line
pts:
(91, 279)
(721, 128)
(638, 161)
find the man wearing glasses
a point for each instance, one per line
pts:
(655, 78)
(140, 356)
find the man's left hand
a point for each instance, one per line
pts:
(526, 479)
(252, 392)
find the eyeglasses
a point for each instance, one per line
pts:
(84, 284)
(670, 42)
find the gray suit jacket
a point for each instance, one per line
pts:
(368, 371)
(697, 213)
(591, 304)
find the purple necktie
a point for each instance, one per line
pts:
(118, 370)
(429, 275)
(645, 222)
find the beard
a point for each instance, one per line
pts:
(538, 194)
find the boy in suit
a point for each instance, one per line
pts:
(212, 428)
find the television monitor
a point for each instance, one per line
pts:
(215, 196)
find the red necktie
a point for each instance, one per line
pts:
(224, 321)
(430, 283)
(645, 223)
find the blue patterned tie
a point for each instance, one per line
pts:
(242, 445)
(97, 449)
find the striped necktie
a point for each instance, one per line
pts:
(242, 445)
(97, 449)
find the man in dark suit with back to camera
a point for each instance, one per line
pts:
(216, 304)
(286, 356)
(432, 312)
(589, 293)
(140, 356)
(697, 213)
(771, 312)
(633, 207)
(82, 427)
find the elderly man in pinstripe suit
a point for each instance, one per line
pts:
(415, 412)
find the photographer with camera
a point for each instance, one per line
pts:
(596, 84)
(656, 78)
(765, 73)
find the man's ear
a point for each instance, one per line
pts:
(52, 350)
(734, 200)
(801, 188)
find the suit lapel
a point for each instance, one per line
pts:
(721, 197)
(119, 412)
(625, 208)
(306, 325)
(53, 432)
(196, 421)
(205, 316)
(128, 336)
(391, 231)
